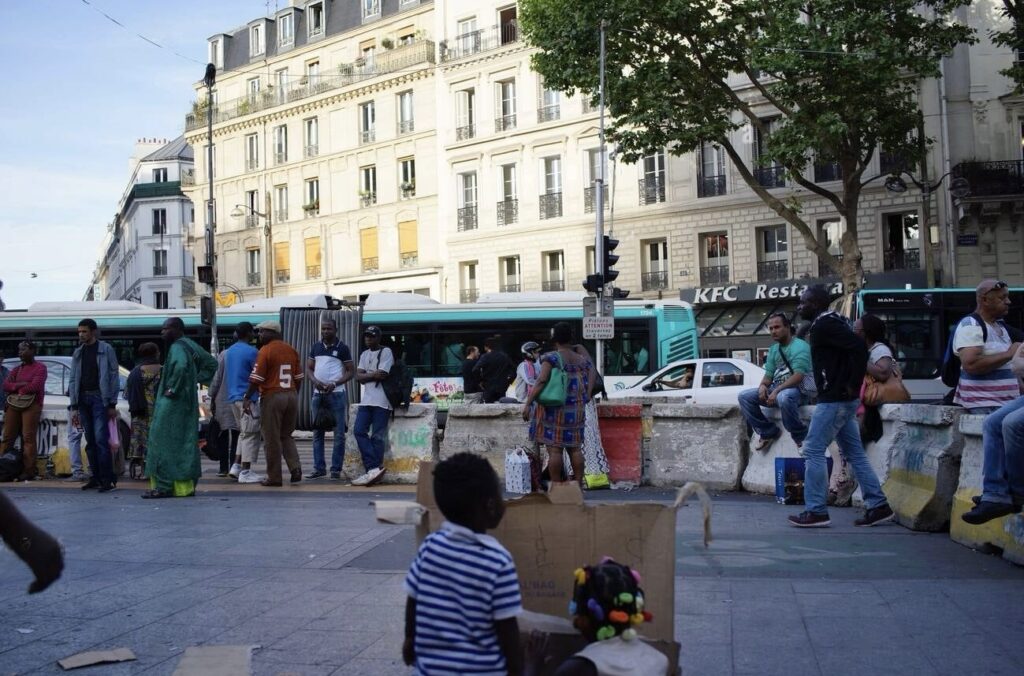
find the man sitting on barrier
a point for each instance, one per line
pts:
(786, 368)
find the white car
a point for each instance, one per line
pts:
(714, 381)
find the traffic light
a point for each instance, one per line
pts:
(206, 310)
(619, 294)
(594, 284)
(607, 271)
(205, 273)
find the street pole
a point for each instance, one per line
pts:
(209, 80)
(926, 204)
(599, 221)
(270, 254)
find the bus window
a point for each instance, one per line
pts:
(414, 349)
(627, 353)
(915, 339)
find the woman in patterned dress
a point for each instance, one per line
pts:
(140, 391)
(561, 427)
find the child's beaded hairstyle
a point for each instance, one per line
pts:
(609, 598)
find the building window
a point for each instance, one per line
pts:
(405, 113)
(312, 247)
(554, 271)
(285, 31)
(312, 197)
(161, 300)
(159, 262)
(549, 106)
(367, 61)
(510, 274)
(252, 89)
(654, 276)
(508, 25)
(467, 215)
(252, 201)
(252, 267)
(772, 253)
(467, 37)
(280, 144)
(371, 9)
(714, 258)
(315, 19)
(159, 221)
(282, 271)
(368, 185)
(280, 203)
(902, 239)
(506, 118)
(551, 198)
(408, 244)
(467, 274)
(768, 174)
(465, 114)
(508, 207)
(255, 40)
(597, 167)
(312, 137)
(407, 177)
(313, 75)
(216, 54)
(159, 175)
(712, 171)
(652, 185)
(367, 122)
(252, 152)
(280, 85)
(368, 249)
(830, 236)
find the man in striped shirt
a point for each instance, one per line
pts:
(460, 617)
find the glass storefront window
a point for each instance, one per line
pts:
(752, 321)
(725, 322)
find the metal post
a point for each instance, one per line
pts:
(926, 203)
(210, 211)
(266, 234)
(599, 203)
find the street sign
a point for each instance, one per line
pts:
(590, 306)
(598, 328)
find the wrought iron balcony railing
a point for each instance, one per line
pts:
(370, 265)
(282, 276)
(482, 40)
(368, 135)
(553, 285)
(654, 281)
(550, 205)
(827, 172)
(469, 295)
(312, 150)
(711, 186)
(252, 279)
(280, 157)
(590, 199)
(312, 271)
(770, 177)
(368, 199)
(902, 259)
(467, 218)
(281, 215)
(251, 220)
(465, 132)
(990, 179)
(406, 126)
(548, 113)
(159, 270)
(505, 122)
(508, 212)
(511, 287)
(652, 190)
(409, 259)
(714, 274)
(769, 270)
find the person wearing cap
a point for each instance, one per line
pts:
(276, 374)
(374, 412)
(527, 371)
(172, 459)
(329, 366)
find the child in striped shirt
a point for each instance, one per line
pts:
(460, 617)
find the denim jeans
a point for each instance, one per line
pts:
(788, 402)
(1003, 447)
(93, 415)
(836, 421)
(337, 401)
(371, 445)
(75, 447)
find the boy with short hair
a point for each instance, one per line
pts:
(463, 590)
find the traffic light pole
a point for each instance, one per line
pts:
(599, 221)
(211, 214)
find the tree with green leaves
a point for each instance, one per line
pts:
(1011, 35)
(839, 77)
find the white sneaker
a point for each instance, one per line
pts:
(247, 476)
(235, 470)
(362, 480)
(374, 475)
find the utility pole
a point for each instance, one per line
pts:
(209, 80)
(599, 204)
(926, 205)
(266, 234)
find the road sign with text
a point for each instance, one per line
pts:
(598, 328)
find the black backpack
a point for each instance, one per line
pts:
(398, 385)
(951, 362)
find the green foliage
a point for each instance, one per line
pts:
(1012, 37)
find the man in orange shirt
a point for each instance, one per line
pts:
(276, 374)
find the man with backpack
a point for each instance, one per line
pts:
(374, 412)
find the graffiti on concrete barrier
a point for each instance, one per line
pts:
(417, 438)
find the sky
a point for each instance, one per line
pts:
(80, 90)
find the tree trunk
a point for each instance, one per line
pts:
(852, 268)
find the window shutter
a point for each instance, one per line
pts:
(368, 241)
(281, 256)
(407, 240)
(312, 251)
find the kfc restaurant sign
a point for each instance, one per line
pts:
(752, 293)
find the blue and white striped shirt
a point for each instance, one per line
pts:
(463, 582)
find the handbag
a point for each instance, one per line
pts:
(20, 401)
(891, 391)
(556, 388)
(324, 420)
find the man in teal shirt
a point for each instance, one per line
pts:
(783, 385)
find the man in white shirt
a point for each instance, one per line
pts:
(371, 426)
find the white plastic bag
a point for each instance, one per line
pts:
(517, 472)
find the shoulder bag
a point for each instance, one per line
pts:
(555, 389)
(20, 402)
(891, 391)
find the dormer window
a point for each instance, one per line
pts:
(216, 54)
(286, 30)
(316, 18)
(371, 9)
(256, 40)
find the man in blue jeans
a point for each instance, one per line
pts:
(374, 411)
(839, 359)
(330, 367)
(93, 390)
(787, 365)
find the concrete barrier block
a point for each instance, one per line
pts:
(486, 429)
(880, 452)
(1003, 536)
(412, 439)
(622, 435)
(759, 472)
(924, 468)
(697, 443)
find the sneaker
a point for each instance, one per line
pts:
(987, 511)
(247, 476)
(873, 517)
(235, 471)
(810, 520)
(92, 483)
(335, 476)
(222, 474)
(362, 479)
(375, 475)
(77, 477)
(296, 476)
(316, 474)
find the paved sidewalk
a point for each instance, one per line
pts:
(314, 580)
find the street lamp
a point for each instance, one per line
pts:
(240, 210)
(958, 188)
(209, 79)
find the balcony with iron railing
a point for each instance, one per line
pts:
(825, 271)
(902, 259)
(370, 265)
(311, 150)
(281, 157)
(409, 259)
(992, 179)
(553, 285)
(652, 190)
(590, 199)
(465, 132)
(281, 215)
(368, 135)
(505, 122)
(469, 295)
(188, 177)
(311, 210)
(467, 218)
(508, 212)
(159, 270)
(481, 40)
(252, 279)
(399, 59)
(550, 205)
(654, 281)
(367, 198)
(771, 270)
(251, 220)
(251, 164)
(827, 172)
(714, 274)
(548, 113)
(283, 276)
(312, 272)
(770, 177)
(711, 186)
(511, 287)
(406, 126)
